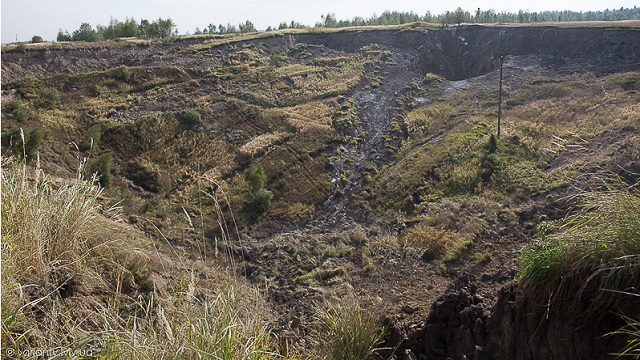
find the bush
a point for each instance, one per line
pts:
(20, 112)
(190, 118)
(101, 167)
(94, 134)
(124, 74)
(27, 87)
(37, 39)
(49, 95)
(259, 202)
(255, 177)
(27, 150)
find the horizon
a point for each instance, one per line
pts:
(22, 20)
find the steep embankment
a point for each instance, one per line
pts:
(454, 53)
(381, 175)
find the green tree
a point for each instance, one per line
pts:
(85, 33)
(36, 39)
(158, 29)
(328, 21)
(255, 177)
(459, 16)
(247, 27)
(63, 36)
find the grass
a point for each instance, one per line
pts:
(632, 332)
(52, 248)
(345, 331)
(591, 256)
(70, 283)
(218, 327)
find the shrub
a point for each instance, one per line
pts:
(101, 167)
(124, 74)
(21, 48)
(27, 87)
(190, 118)
(24, 150)
(255, 177)
(94, 134)
(37, 39)
(49, 95)
(260, 201)
(20, 112)
(345, 331)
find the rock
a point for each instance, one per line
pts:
(407, 309)
(409, 355)
(455, 326)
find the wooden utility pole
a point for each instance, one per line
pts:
(500, 95)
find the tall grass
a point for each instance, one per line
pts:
(66, 288)
(632, 332)
(591, 258)
(345, 331)
(49, 247)
(218, 327)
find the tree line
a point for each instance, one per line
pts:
(460, 16)
(164, 28)
(244, 28)
(157, 29)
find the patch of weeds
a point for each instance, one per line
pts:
(322, 275)
(483, 257)
(190, 118)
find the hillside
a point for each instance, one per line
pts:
(355, 163)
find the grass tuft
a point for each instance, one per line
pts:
(345, 331)
(597, 247)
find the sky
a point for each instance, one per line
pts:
(22, 19)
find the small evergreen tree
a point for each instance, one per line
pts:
(259, 199)
(101, 166)
(63, 36)
(255, 177)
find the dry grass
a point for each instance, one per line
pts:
(53, 246)
(71, 282)
(346, 331)
(262, 142)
